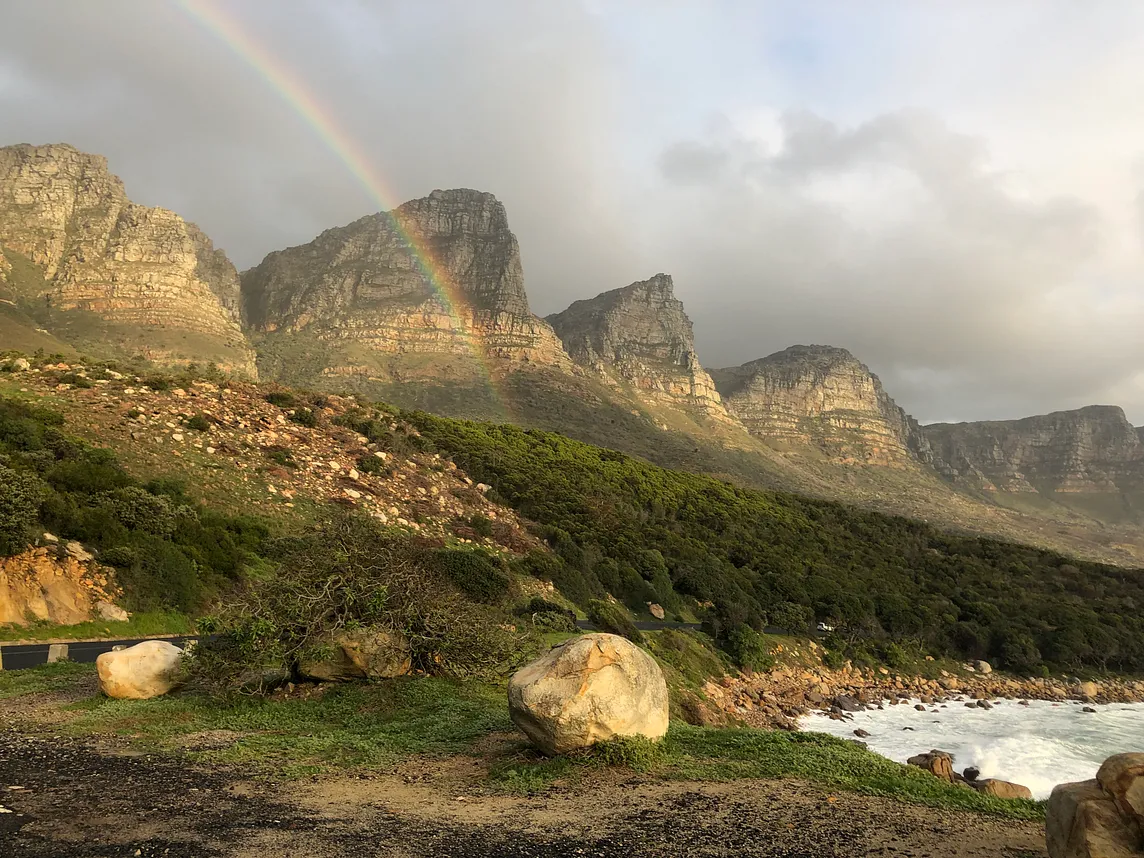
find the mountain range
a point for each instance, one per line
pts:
(426, 307)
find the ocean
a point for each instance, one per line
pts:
(1039, 745)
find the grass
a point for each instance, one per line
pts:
(361, 726)
(144, 624)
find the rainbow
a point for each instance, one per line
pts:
(295, 94)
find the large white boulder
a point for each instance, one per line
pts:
(588, 689)
(147, 669)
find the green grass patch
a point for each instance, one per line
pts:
(143, 624)
(60, 676)
(346, 727)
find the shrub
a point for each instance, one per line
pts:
(281, 398)
(370, 464)
(548, 615)
(281, 456)
(157, 382)
(199, 422)
(477, 574)
(481, 525)
(304, 417)
(21, 494)
(610, 617)
(749, 649)
(353, 573)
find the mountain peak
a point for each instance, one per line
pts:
(641, 335)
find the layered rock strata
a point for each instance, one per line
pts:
(641, 335)
(824, 396)
(1093, 449)
(63, 212)
(436, 275)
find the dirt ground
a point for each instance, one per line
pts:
(76, 798)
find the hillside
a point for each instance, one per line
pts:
(594, 522)
(427, 307)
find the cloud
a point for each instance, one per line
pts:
(896, 239)
(952, 192)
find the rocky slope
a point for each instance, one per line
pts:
(823, 396)
(641, 335)
(461, 292)
(73, 241)
(1093, 449)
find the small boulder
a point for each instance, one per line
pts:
(1002, 789)
(860, 733)
(367, 653)
(79, 552)
(111, 613)
(983, 667)
(21, 365)
(656, 610)
(1088, 690)
(972, 773)
(148, 669)
(937, 763)
(848, 704)
(589, 689)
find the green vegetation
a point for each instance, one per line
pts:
(352, 574)
(169, 553)
(370, 725)
(622, 526)
(610, 617)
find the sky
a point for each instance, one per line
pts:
(952, 191)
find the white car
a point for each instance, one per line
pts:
(823, 627)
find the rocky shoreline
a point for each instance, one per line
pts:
(777, 698)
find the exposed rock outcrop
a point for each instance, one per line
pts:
(72, 240)
(1099, 818)
(436, 275)
(1093, 449)
(641, 335)
(824, 396)
(53, 586)
(586, 690)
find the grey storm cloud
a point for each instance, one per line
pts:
(888, 231)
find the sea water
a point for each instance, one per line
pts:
(1039, 745)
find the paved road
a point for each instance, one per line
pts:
(19, 656)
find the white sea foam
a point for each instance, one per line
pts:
(1039, 745)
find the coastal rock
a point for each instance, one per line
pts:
(937, 763)
(588, 689)
(824, 396)
(1001, 789)
(640, 335)
(360, 654)
(148, 669)
(982, 667)
(1082, 821)
(73, 241)
(439, 275)
(1122, 778)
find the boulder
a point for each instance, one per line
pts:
(982, 667)
(937, 763)
(656, 610)
(367, 653)
(1001, 789)
(848, 704)
(1122, 778)
(1088, 690)
(1081, 821)
(111, 613)
(588, 689)
(138, 672)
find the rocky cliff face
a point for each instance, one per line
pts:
(94, 250)
(462, 290)
(823, 396)
(639, 334)
(1093, 449)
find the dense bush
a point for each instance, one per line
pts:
(610, 617)
(168, 552)
(548, 615)
(281, 398)
(772, 558)
(304, 417)
(749, 649)
(477, 574)
(352, 573)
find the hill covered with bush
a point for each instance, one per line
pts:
(620, 525)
